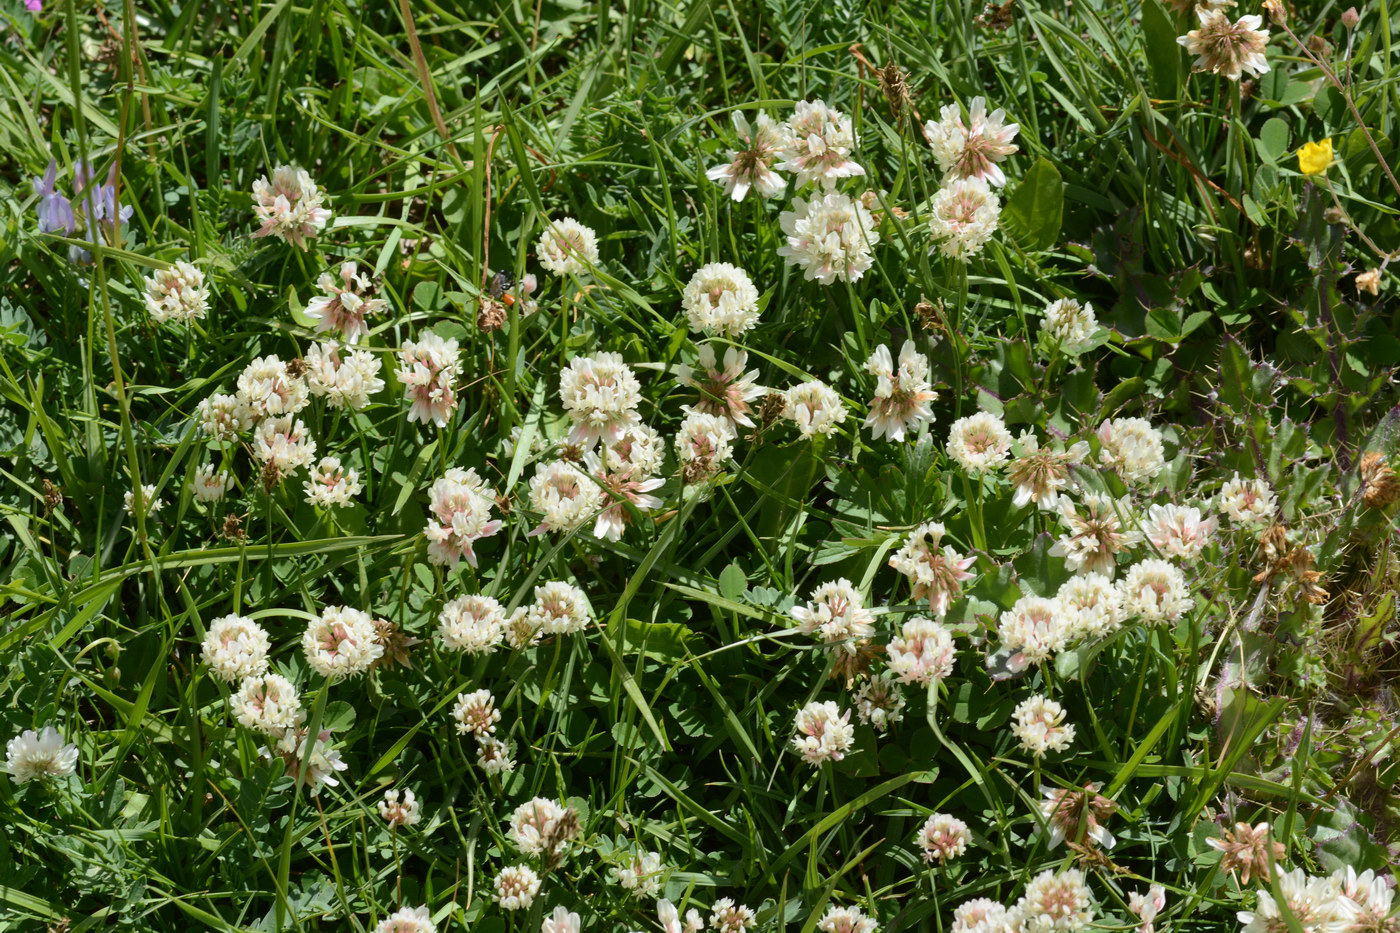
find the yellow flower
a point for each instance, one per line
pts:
(1314, 158)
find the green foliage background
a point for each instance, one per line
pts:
(1170, 201)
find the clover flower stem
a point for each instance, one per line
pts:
(974, 507)
(398, 867)
(284, 861)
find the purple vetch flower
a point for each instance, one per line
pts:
(55, 211)
(93, 212)
(34, 6)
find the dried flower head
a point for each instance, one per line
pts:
(1379, 485)
(1227, 48)
(1078, 815)
(1247, 851)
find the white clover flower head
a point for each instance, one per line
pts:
(235, 647)
(283, 444)
(936, 571)
(291, 206)
(1248, 502)
(1092, 606)
(1155, 591)
(564, 495)
(728, 917)
(476, 713)
(428, 369)
(1057, 901)
(534, 824)
(473, 624)
(1373, 896)
(835, 612)
(1039, 725)
(829, 237)
(210, 484)
(521, 632)
(752, 166)
(980, 915)
(1097, 533)
(560, 608)
(846, 920)
(979, 443)
(343, 306)
(341, 642)
(1225, 48)
(705, 442)
(923, 653)
(177, 293)
(1042, 474)
(149, 501)
(824, 732)
(880, 702)
(494, 755)
(561, 921)
(1132, 447)
(268, 388)
(224, 417)
(267, 703)
(400, 811)
(837, 615)
(903, 396)
(640, 875)
(1179, 531)
(724, 391)
(1316, 904)
(817, 142)
(567, 247)
(460, 504)
(309, 762)
(964, 215)
(942, 837)
(407, 920)
(720, 300)
(38, 755)
(1032, 631)
(601, 395)
(332, 485)
(814, 407)
(1069, 325)
(345, 380)
(516, 887)
(972, 149)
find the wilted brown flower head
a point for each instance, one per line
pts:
(1369, 281)
(491, 316)
(53, 495)
(1248, 851)
(996, 16)
(396, 643)
(1225, 48)
(233, 528)
(1379, 486)
(1078, 815)
(895, 87)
